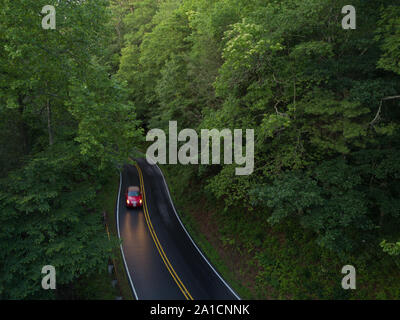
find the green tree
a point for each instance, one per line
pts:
(75, 126)
(49, 217)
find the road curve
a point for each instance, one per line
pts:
(161, 259)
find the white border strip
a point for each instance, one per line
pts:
(187, 233)
(119, 237)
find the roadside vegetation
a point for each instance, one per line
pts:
(65, 125)
(324, 103)
(108, 201)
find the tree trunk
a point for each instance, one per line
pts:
(23, 126)
(49, 128)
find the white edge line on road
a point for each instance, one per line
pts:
(119, 237)
(187, 233)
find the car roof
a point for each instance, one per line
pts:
(134, 189)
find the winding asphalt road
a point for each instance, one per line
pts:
(161, 259)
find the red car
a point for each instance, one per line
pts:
(133, 197)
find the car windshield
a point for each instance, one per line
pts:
(133, 193)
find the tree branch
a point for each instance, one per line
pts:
(378, 114)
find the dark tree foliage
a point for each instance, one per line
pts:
(65, 125)
(324, 108)
(324, 103)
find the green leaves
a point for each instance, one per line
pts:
(392, 249)
(49, 216)
(337, 199)
(65, 125)
(325, 202)
(108, 128)
(326, 138)
(388, 34)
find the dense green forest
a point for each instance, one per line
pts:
(323, 101)
(65, 124)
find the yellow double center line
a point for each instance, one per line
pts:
(157, 242)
